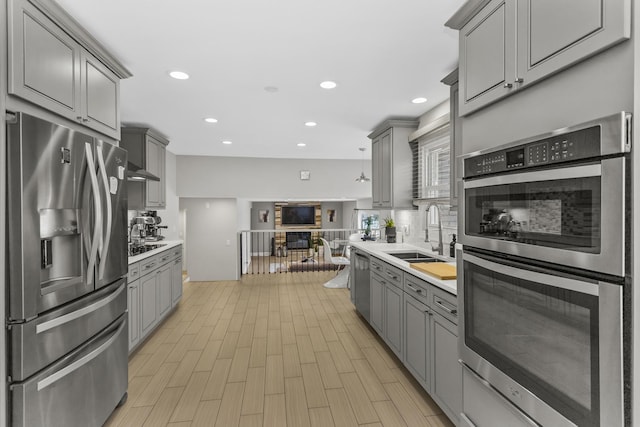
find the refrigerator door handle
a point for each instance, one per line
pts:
(69, 317)
(46, 382)
(98, 213)
(104, 244)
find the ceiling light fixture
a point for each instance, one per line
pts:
(311, 124)
(362, 177)
(211, 120)
(328, 84)
(301, 144)
(419, 100)
(227, 142)
(179, 75)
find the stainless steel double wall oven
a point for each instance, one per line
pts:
(544, 269)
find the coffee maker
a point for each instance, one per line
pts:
(148, 226)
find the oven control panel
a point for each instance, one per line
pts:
(580, 144)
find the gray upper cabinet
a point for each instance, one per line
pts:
(391, 164)
(45, 61)
(147, 149)
(101, 97)
(456, 136)
(50, 68)
(486, 63)
(506, 45)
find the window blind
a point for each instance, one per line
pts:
(433, 165)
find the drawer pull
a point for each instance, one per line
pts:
(391, 275)
(148, 266)
(417, 291)
(445, 308)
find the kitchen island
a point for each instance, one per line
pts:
(415, 313)
(154, 288)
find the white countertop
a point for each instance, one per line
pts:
(382, 251)
(168, 244)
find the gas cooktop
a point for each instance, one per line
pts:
(140, 249)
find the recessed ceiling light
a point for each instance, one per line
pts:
(328, 84)
(179, 75)
(227, 142)
(301, 144)
(310, 124)
(419, 100)
(211, 120)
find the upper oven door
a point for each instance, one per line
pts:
(573, 216)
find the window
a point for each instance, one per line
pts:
(434, 156)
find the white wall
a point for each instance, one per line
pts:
(170, 215)
(211, 233)
(270, 179)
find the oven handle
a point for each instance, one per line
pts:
(582, 171)
(534, 276)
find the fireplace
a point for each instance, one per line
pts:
(298, 239)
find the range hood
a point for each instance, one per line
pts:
(136, 173)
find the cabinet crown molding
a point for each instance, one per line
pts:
(465, 13)
(394, 123)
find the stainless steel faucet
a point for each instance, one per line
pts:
(426, 230)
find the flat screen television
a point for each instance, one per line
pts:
(298, 215)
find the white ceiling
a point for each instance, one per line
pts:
(382, 54)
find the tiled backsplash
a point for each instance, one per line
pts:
(410, 225)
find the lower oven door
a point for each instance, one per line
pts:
(550, 343)
(82, 389)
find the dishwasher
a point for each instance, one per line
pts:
(360, 288)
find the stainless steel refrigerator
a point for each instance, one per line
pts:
(67, 264)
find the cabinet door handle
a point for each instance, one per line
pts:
(79, 118)
(508, 85)
(445, 308)
(418, 291)
(519, 80)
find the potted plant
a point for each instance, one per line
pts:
(390, 229)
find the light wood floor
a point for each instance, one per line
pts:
(270, 350)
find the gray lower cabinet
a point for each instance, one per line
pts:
(417, 345)
(393, 318)
(446, 384)
(155, 287)
(148, 303)
(376, 299)
(176, 280)
(165, 276)
(418, 321)
(133, 307)
(50, 69)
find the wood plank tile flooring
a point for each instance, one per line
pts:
(270, 350)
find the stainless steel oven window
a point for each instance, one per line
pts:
(557, 336)
(564, 213)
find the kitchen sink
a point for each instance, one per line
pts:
(414, 256)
